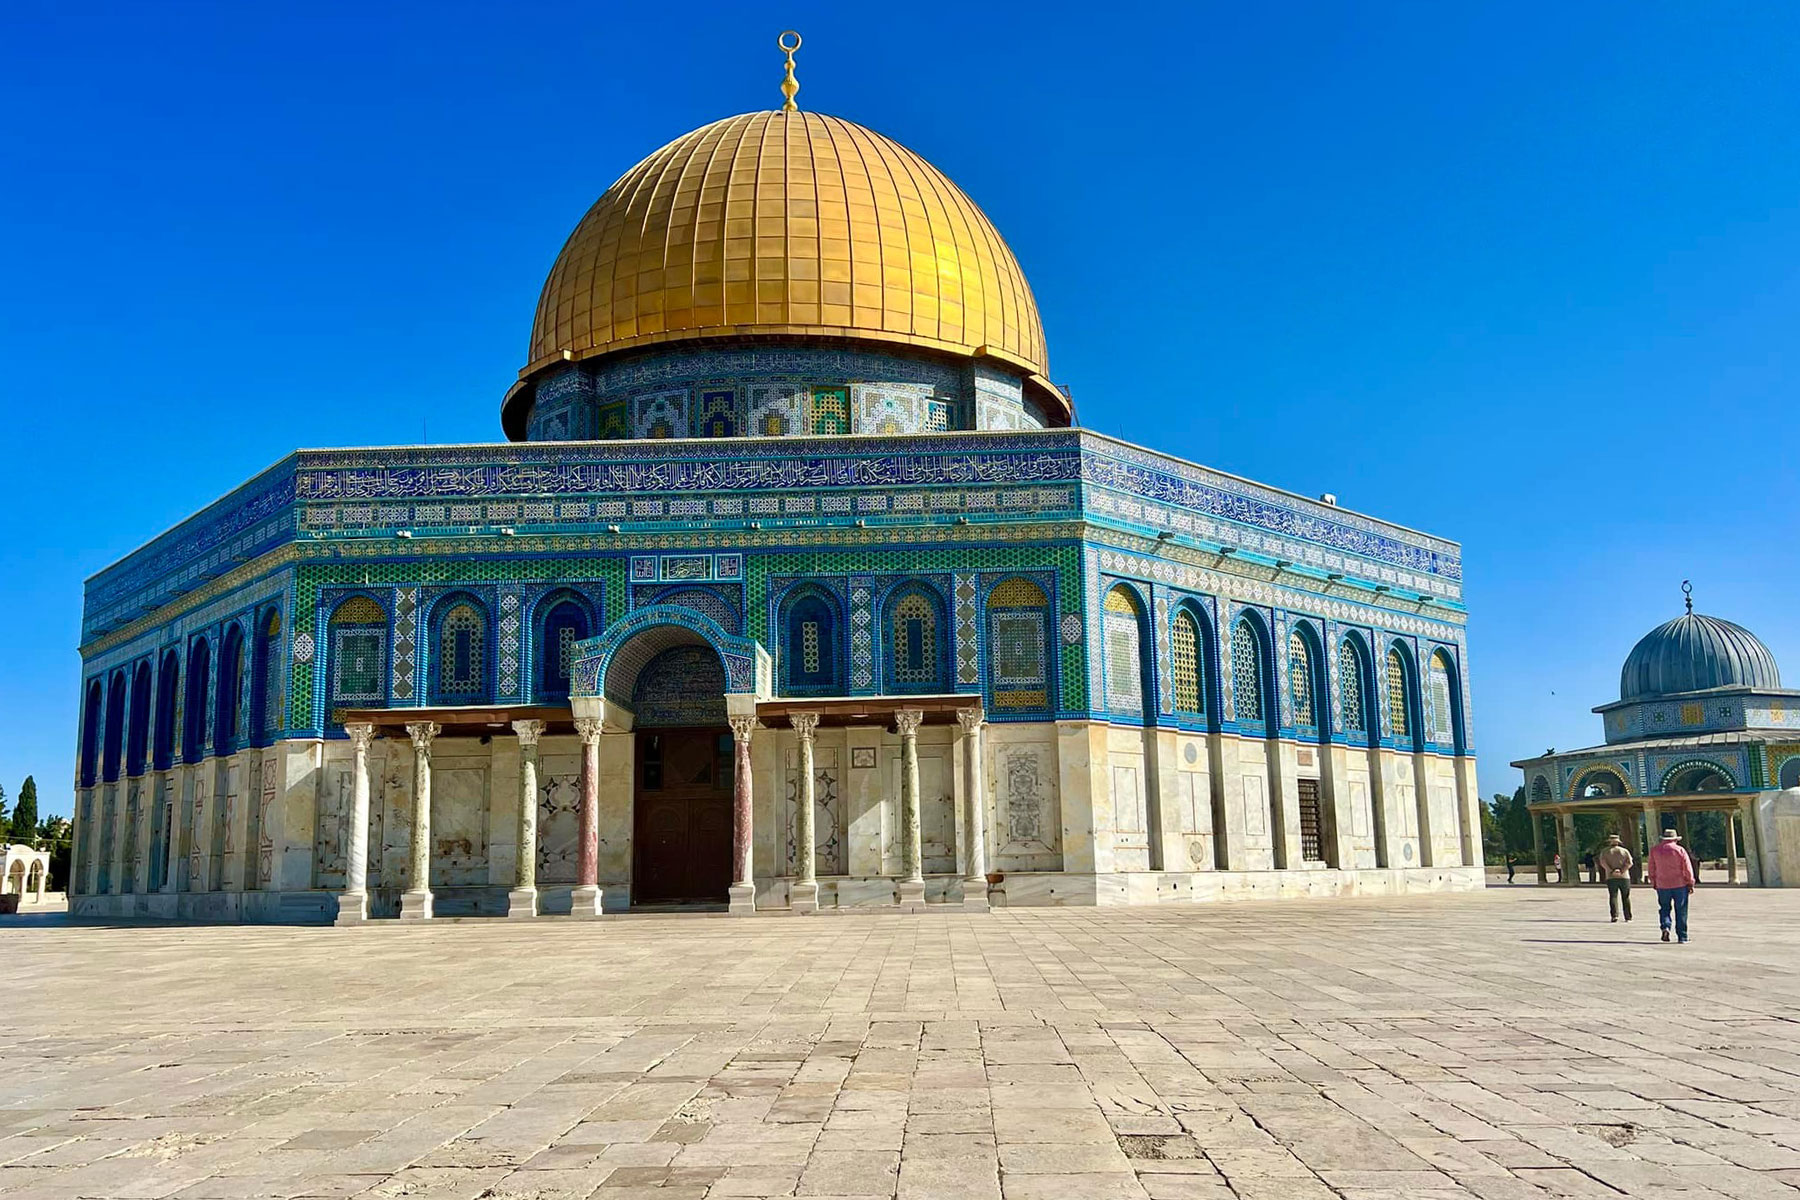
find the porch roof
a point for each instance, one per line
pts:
(866, 710)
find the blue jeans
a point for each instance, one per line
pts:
(1676, 898)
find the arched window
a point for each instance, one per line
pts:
(1353, 686)
(90, 735)
(1789, 776)
(811, 658)
(1249, 701)
(137, 742)
(1399, 696)
(1300, 679)
(565, 623)
(1188, 650)
(168, 682)
(1540, 790)
(462, 654)
(227, 728)
(193, 718)
(115, 727)
(1123, 620)
(358, 654)
(265, 677)
(1442, 725)
(915, 642)
(1018, 624)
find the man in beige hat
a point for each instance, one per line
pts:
(1615, 867)
(1671, 872)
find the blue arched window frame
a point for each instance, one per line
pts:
(559, 611)
(137, 740)
(92, 715)
(817, 606)
(112, 755)
(1251, 622)
(168, 681)
(914, 657)
(193, 718)
(229, 690)
(1317, 676)
(1368, 731)
(447, 639)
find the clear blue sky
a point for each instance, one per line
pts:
(1523, 275)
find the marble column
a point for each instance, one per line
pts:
(585, 899)
(803, 896)
(1681, 827)
(912, 886)
(353, 901)
(521, 901)
(743, 882)
(1537, 847)
(1568, 848)
(975, 884)
(415, 901)
(1652, 826)
(1731, 846)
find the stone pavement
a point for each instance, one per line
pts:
(1503, 1045)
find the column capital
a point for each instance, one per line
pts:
(361, 734)
(588, 727)
(970, 719)
(742, 727)
(805, 724)
(529, 732)
(422, 733)
(908, 720)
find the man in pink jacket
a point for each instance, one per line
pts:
(1671, 873)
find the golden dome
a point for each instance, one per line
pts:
(790, 223)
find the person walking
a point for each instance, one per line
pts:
(1510, 868)
(1671, 872)
(1615, 866)
(1588, 864)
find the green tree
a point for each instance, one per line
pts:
(5, 821)
(25, 818)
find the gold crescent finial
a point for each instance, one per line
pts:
(790, 85)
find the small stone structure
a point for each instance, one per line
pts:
(24, 872)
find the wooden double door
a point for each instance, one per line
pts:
(682, 816)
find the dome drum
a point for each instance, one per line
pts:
(771, 387)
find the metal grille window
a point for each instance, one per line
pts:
(271, 683)
(1246, 674)
(460, 651)
(357, 662)
(1124, 658)
(1350, 686)
(1300, 679)
(809, 647)
(915, 640)
(1399, 717)
(1184, 638)
(1442, 727)
(810, 640)
(1017, 615)
(1312, 821)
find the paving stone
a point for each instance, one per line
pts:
(1427, 1048)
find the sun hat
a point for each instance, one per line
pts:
(1669, 835)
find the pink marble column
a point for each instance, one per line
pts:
(743, 884)
(586, 896)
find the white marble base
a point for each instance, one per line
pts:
(743, 899)
(415, 906)
(912, 895)
(584, 901)
(352, 908)
(975, 894)
(803, 898)
(521, 904)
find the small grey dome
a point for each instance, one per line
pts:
(1695, 652)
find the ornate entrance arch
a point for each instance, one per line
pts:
(608, 666)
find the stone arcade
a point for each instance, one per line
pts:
(796, 586)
